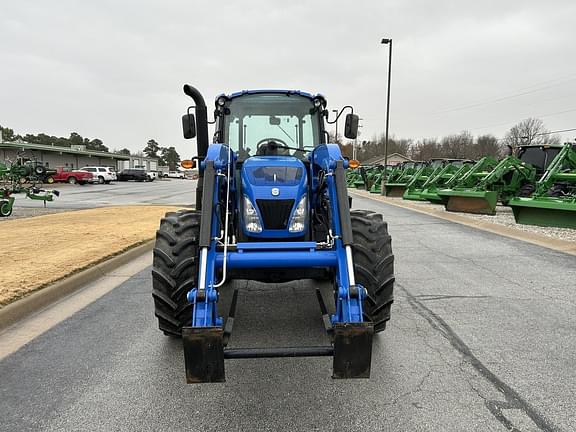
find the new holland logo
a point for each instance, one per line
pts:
(275, 191)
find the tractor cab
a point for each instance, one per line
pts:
(270, 123)
(271, 134)
(539, 156)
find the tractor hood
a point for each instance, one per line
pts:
(274, 185)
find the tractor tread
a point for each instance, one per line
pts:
(373, 264)
(174, 269)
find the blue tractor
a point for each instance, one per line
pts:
(272, 206)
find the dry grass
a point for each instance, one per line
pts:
(40, 250)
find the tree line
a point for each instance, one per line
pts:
(75, 138)
(167, 156)
(457, 146)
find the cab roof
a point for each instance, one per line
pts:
(272, 91)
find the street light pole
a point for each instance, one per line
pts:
(387, 42)
(336, 132)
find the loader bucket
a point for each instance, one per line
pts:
(375, 189)
(395, 190)
(477, 202)
(547, 212)
(413, 195)
(431, 196)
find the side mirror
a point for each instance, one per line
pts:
(351, 126)
(189, 126)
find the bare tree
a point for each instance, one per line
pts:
(332, 139)
(457, 146)
(486, 145)
(375, 147)
(530, 131)
(347, 149)
(425, 149)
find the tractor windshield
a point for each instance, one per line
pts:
(538, 156)
(251, 122)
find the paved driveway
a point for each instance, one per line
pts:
(481, 339)
(165, 192)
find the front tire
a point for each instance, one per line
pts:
(174, 269)
(72, 180)
(373, 265)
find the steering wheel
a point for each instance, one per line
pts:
(280, 148)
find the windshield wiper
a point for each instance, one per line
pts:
(286, 133)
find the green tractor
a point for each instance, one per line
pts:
(513, 176)
(396, 186)
(352, 176)
(452, 170)
(23, 173)
(422, 178)
(23, 176)
(390, 172)
(370, 175)
(552, 201)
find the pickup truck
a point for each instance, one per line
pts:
(152, 175)
(67, 175)
(174, 174)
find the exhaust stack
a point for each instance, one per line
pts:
(202, 143)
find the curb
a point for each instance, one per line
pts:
(44, 297)
(564, 246)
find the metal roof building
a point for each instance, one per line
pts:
(393, 159)
(75, 157)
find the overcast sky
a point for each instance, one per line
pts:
(115, 69)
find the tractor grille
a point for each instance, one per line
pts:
(275, 213)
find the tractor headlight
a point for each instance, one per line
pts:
(298, 221)
(251, 219)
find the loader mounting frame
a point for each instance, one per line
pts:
(206, 339)
(205, 348)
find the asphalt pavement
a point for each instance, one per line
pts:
(162, 192)
(481, 339)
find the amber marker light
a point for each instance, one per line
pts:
(187, 164)
(353, 163)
